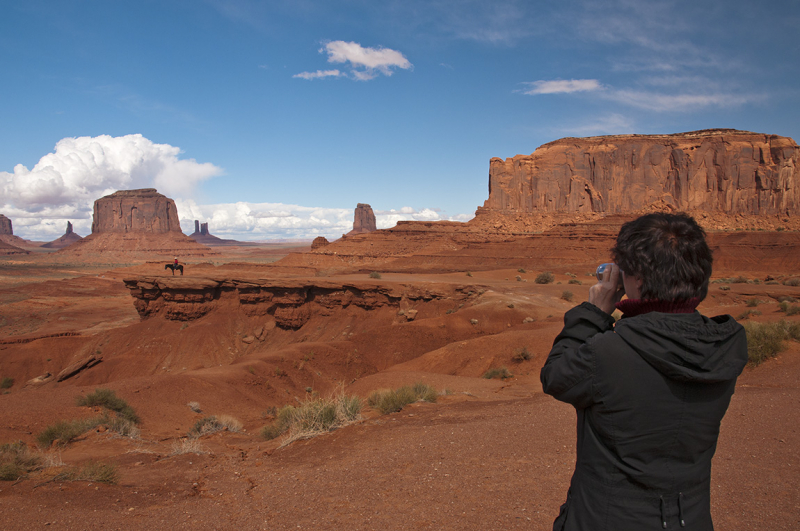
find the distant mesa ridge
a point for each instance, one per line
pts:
(714, 170)
(10, 244)
(201, 235)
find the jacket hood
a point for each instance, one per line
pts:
(687, 347)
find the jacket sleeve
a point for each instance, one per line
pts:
(567, 373)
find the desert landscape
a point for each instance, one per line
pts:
(207, 359)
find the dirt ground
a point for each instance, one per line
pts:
(489, 454)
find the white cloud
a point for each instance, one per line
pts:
(318, 74)
(660, 102)
(563, 86)
(64, 184)
(364, 63)
(269, 221)
(611, 124)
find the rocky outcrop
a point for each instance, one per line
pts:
(319, 241)
(201, 235)
(735, 172)
(5, 226)
(291, 302)
(143, 210)
(363, 220)
(68, 238)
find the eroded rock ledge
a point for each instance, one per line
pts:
(291, 302)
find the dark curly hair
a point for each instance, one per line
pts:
(669, 253)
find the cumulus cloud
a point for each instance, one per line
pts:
(64, 184)
(562, 86)
(364, 63)
(271, 221)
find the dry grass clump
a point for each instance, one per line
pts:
(766, 340)
(6, 382)
(64, 432)
(16, 461)
(575, 281)
(314, 416)
(794, 281)
(187, 446)
(389, 401)
(752, 303)
(497, 372)
(788, 309)
(747, 313)
(94, 472)
(213, 424)
(195, 406)
(545, 278)
(106, 398)
(521, 354)
(567, 295)
(374, 274)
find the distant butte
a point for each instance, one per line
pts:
(363, 220)
(201, 235)
(139, 224)
(68, 238)
(10, 244)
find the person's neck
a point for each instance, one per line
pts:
(631, 307)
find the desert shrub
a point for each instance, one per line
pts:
(567, 295)
(725, 288)
(389, 401)
(747, 313)
(63, 432)
(120, 426)
(772, 282)
(230, 423)
(374, 274)
(575, 281)
(195, 406)
(739, 280)
(313, 417)
(571, 275)
(94, 472)
(521, 270)
(521, 354)
(106, 398)
(788, 309)
(764, 340)
(519, 278)
(205, 426)
(752, 303)
(16, 460)
(497, 372)
(545, 278)
(469, 273)
(6, 383)
(786, 298)
(794, 281)
(187, 446)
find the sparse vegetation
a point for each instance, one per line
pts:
(725, 288)
(374, 274)
(16, 461)
(545, 278)
(519, 278)
(213, 424)
(794, 281)
(567, 295)
(766, 340)
(752, 303)
(195, 406)
(189, 445)
(501, 373)
(575, 281)
(739, 280)
(521, 354)
(786, 298)
(469, 273)
(313, 417)
(521, 270)
(106, 398)
(788, 309)
(747, 313)
(389, 401)
(64, 432)
(6, 383)
(94, 472)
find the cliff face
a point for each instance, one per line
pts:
(363, 219)
(142, 210)
(734, 172)
(5, 226)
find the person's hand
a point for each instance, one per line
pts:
(608, 291)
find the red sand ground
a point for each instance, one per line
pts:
(490, 454)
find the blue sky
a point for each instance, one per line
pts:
(273, 119)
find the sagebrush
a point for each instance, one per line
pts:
(391, 400)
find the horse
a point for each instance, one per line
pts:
(174, 267)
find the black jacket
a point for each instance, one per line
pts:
(650, 393)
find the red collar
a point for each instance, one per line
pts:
(631, 307)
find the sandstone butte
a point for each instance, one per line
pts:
(68, 238)
(10, 244)
(141, 222)
(363, 220)
(714, 171)
(201, 235)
